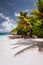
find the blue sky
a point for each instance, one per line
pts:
(9, 9)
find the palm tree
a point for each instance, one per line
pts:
(25, 25)
(39, 13)
(38, 16)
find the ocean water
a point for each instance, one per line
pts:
(3, 35)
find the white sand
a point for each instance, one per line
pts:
(30, 57)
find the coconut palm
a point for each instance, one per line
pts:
(39, 13)
(38, 16)
(24, 24)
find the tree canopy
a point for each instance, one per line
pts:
(31, 24)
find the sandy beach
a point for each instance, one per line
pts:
(7, 54)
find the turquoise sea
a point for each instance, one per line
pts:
(3, 34)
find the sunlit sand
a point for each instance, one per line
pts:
(7, 54)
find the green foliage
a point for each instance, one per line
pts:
(24, 24)
(37, 31)
(37, 23)
(38, 17)
(40, 5)
(31, 24)
(23, 14)
(20, 32)
(14, 30)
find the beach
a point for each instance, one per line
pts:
(7, 54)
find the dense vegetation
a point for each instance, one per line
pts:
(31, 24)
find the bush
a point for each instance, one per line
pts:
(20, 32)
(37, 31)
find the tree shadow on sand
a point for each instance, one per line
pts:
(29, 45)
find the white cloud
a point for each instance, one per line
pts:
(16, 14)
(26, 10)
(1, 30)
(7, 25)
(3, 16)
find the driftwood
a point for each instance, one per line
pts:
(15, 36)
